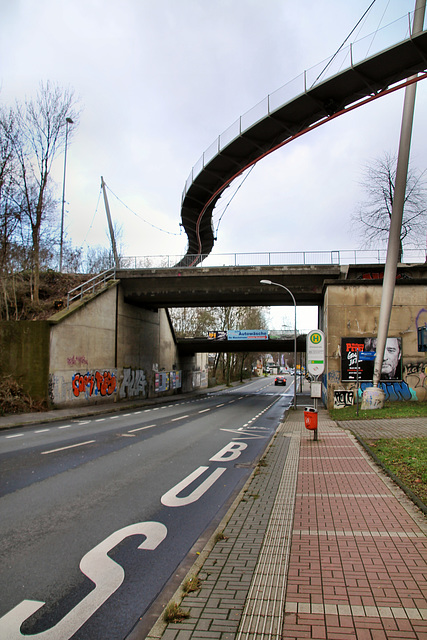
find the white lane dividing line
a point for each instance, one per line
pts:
(15, 435)
(100, 420)
(70, 446)
(41, 430)
(203, 410)
(141, 428)
(219, 405)
(179, 418)
(65, 426)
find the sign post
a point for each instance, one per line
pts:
(315, 347)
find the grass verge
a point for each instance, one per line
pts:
(390, 410)
(406, 458)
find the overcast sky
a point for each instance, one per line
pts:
(159, 80)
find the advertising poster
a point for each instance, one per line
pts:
(392, 363)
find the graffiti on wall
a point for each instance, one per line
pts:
(79, 361)
(94, 384)
(343, 398)
(134, 383)
(165, 380)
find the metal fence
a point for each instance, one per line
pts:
(275, 258)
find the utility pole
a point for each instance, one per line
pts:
(110, 224)
(393, 248)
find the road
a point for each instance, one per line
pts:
(97, 515)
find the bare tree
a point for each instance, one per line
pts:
(42, 129)
(371, 220)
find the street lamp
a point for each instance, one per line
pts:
(277, 284)
(68, 121)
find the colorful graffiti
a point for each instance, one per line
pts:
(94, 384)
(134, 383)
(166, 380)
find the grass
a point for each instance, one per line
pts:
(407, 459)
(174, 613)
(191, 584)
(390, 410)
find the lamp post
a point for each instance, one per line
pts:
(68, 121)
(277, 284)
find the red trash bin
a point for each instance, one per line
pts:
(310, 418)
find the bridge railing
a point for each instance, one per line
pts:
(90, 286)
(276, 258)
(348, 56)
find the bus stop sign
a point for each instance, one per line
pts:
(315, 352)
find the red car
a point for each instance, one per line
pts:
(280, 380)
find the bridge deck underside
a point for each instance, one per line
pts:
(189, 346)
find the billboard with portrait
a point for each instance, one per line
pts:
(392, 363)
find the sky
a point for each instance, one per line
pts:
(159, 80)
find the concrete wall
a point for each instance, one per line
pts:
(106, 350)
(353, 311)
(24, 349)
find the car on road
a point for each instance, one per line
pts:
(279, 380)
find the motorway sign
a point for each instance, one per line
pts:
(247, 334)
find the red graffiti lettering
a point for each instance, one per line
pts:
(91, 384)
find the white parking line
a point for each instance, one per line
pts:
(70, 446)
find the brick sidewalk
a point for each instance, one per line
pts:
(320, 545)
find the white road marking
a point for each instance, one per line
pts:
(204, 410)
(220, 405)
(171, 499)
(104, 572)
(70, 446)
(179, 418)
(100, 419)
(65, 426)
(41, 430)
(141, 428)
(15, 435)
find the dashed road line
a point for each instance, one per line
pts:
(141, 428)
(70, 446)
(179, 418)
(15, 435)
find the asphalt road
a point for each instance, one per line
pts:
(97, 515)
